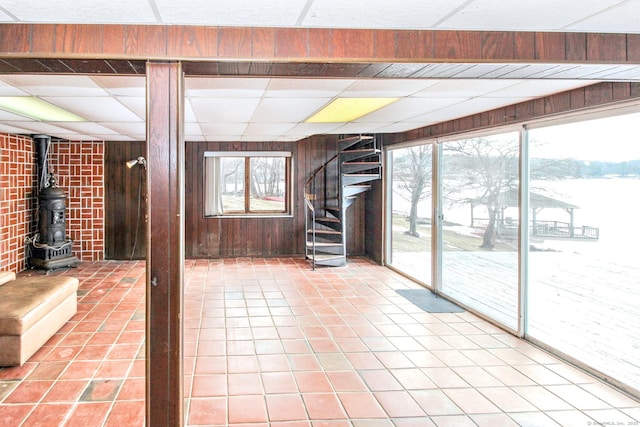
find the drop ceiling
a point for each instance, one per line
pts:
(275, 109)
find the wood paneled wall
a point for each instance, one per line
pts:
(259, 237)
(121, 201)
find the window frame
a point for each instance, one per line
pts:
(247, 156)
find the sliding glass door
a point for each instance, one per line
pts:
(584, 274)
(410, 211)
(479, 227)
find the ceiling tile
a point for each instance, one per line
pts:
(99, 109)
(258, 129)
(82, 11)
(463, 88)
(232, 13)
(55, 85)
(206, 87)
(122, 85)
(623, 17)
(410, 14)
(209, 129)
(306, 88)
(221, 110)
(406, 108)
(285, 110)
(523, 15)
(387, 87)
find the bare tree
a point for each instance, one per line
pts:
(489, 168)
(414, 179)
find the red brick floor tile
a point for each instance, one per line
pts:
(361, 405)
(47, 371)
(62, 353)
(66, 391)
(247, 409)
(207, 411)
(17, 372)
(88, 414)
(48, 414)
(210, 365)
(323, 406)
(80, 369)
(93, 352)
(304, 362)
(209, 385)
(127, 413)
(29, 392)
(380, 380)
(310, 381)
(13, 415)
(132, 389)
(101, 391)
(399, 404)
(346, 381)
(273, 363)
(285, 407)
(114, 369)
(279, 382)
(243, 384)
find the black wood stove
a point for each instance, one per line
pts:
(50, 248)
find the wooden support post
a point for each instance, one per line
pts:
(165, 244)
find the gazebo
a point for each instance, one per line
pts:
(546, 228)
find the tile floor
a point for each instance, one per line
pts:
(270, 343)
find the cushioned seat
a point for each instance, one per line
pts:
(32, 310)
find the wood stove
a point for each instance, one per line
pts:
(50, 248)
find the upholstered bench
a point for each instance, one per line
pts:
(32, 310)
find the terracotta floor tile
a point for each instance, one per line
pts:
(507, 399)
(126, 413)
(210, 365)
(399, 404)
(346, 381)
(361, 405)
(412, 379)
(273, 362)
(242, 364)
(309, 381)
(88, 414)
(132, 389)
(303, 362)
(66, 391)
(279, 382)
(380, 380)
(47, 371)
(29, 392)
(243, 384)
(471, 401)
(209, 385)
(48, 414)
(285, 407)
(323, 406)
(101, 391)
(247, 409)
(298, 349)
(13, 415)
(207, 411)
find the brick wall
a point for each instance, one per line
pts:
(79, 169)
(17, 202)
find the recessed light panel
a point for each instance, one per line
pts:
(37, 109)
(343, 110)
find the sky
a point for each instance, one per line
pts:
(611, 139)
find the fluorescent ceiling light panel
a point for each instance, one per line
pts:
(343, 110)
(37, 109)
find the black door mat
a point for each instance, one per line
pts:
(429, 302)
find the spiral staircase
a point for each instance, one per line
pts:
(330, 191)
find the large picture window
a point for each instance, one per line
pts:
(247, 183)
